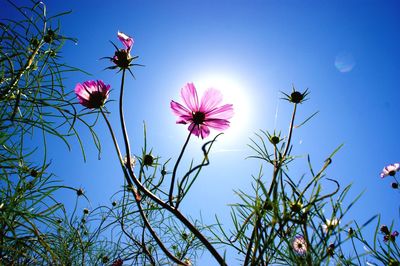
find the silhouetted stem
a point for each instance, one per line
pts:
(127, 177)
(171, 188)
(149, 194)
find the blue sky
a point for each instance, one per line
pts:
(345, 52)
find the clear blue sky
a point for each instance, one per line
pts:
(345, 52)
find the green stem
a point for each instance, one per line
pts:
(278, 162)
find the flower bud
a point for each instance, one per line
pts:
(34, 173)
(384, 229)
(50, 36)
(105, 259)
(80, 192)
(296, 97)
(296, 206)
(122, 58)
(330, 250)
(148, 160)
(274, 140)
(395, 185)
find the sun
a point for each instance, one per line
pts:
(235, 92)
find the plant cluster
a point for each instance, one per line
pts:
(287, 219)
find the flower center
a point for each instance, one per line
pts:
(392, 173)
(97, 99)
(198, 118)
(122, 58)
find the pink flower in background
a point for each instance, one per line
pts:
(203, 115)
(391, 170)
(126, 41)
(92, 94)
(299, 245)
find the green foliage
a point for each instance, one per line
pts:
(34, 105)
(288, 218)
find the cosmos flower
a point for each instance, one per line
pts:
(122, 57)
(92, 94)
(299, 245)
(390, 169)
(330, 224)
(388, 236)
(203, 115)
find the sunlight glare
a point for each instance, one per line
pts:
(235, 92)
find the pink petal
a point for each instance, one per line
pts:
(189, 96)
(185, 116)
(126, 40)
(211, 98)
(218, 124)
(194, 129)
(179, 109)
(81, 92)
(222, 112)
(183, 120)
(199, 130)
(205, 131)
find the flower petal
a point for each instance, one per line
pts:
(199, 130)
(189, 96)
(205, 131)
(126, 40)
(194, 129)
(81, 91)
(218, 124)
(210, 99)
(222, 112)
(179, 109)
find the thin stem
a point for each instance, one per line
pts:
(122, 119)
(290, 132)
(135, 195)
(273, 189)
(171, 188)
(180, 217)
(113, 138)
(149, 194)
(154, 234)
(132, 175)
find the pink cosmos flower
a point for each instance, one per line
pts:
(122, 57)
(391, 170)
(92, 94)
(204, 114)
(299, 245)
(126, 41)
(391, 236)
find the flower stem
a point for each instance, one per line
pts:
(171, 188)
(180, 217)
(153, 197)
(278, 162)
(122, 120)
(135, 193)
